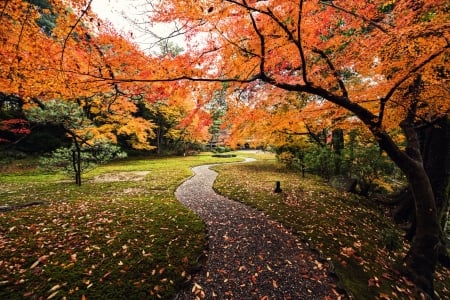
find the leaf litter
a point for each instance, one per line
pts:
(73, 247)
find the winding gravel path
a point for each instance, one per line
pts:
(249, 256)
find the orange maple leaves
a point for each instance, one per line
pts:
(365, 52)
(362, 51)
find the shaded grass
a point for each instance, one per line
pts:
(365, 247)
(110, 240)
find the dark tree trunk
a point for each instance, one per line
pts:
(436, 149)
(422, 257)
(76, 164)
(78, 179)
(158, 139)
(436, 152)
(405, 213)
(337, 140)
(435, 144)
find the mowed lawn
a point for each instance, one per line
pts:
(113, 238)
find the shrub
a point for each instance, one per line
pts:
(323, 161)
(286, 158)
(62, 159)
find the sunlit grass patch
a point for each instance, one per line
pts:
(363, 244)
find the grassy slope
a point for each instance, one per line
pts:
(350, 231)
(117, 240)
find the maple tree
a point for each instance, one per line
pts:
(77, 45)
(84, 152)
(88, 62)
(384, 62)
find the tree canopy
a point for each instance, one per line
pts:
(51, 50)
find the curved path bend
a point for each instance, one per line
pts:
(249, 256)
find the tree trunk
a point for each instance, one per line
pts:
(76, 162)
(78, 172)
(435, 145)
(76, 165)
(158, 139)
(405, 213)
(422, 257)
(436, 152)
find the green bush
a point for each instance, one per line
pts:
(370, 167)
(221, 149)
(323, 161)
(228, 155)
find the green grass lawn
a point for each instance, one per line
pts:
(355, 234)
(103, 240)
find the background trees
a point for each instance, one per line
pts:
(86, 63)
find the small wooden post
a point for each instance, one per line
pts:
(278, 187)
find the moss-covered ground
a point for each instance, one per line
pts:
(103, 240)
(354, 233)
(133, 240)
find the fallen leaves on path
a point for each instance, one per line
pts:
(250, 256)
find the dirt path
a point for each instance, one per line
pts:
(249, 256)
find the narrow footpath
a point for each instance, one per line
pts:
(249, 256)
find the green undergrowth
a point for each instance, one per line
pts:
(363, 245)
(103, 240)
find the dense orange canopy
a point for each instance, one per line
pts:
(53, 49)
(363, 51)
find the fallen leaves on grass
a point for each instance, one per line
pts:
(104, 241)
(352, 232)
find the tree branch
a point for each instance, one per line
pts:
(300, 43)
(396, 85)
(284, 28)
(4, 9)
(262, 42)
(333, 69)
(72, 28)
(331, 4)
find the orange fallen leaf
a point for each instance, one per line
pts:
(275, 284)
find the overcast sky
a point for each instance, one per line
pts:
(128, 15)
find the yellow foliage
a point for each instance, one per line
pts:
(137, 132)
